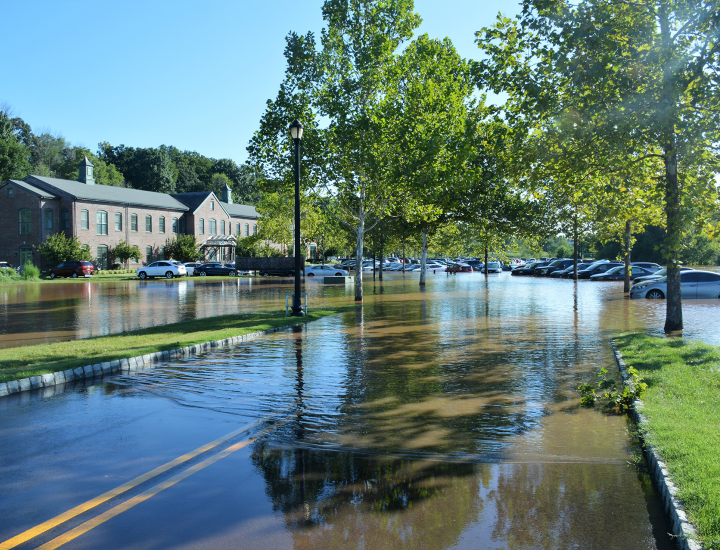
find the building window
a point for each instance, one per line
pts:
(161, 224)
(213, 227)
(212, 255)
(133, 222)
(84, 219)
(25, 255)
(148, 224)
(212, 205)
(118, 221)
(182, 225)
(161, 255)
(174, 225)
(247, 230)
(64, 219)
(148, 254)
(24, 220)
(11, 192)
(254, 229)
(237, 229)
(48, 218)
(222, 227)
(201, 226)
(102, 228)
(102, 250)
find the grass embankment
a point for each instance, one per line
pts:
(16, 363)
(682, 406)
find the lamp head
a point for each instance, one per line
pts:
(296, 130)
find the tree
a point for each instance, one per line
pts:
(60, 248)
(146, 169)
(644, 72)
(123, 252)
(104, 173)
(13, 154)
(184, 248)
(345, 84)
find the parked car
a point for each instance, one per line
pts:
(618, 274)
(5, 265)
(459, 268)
(528, 269)
(658, 275)
(650, 266)
(693, 284)
(163, 268)
(215, 268)
(190, 267)
(553, 266)
(72, 269)
(598, 267)
(325, 271)
(569, 270)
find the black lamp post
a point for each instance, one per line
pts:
(296, 132)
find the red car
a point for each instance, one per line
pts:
(460, 268)
(73, 269)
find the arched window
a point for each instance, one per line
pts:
(247, 230)
(148, 254)
(133, 222)
(64, 219)
(102, 226)
(102, 253)
(118, 221)
(254, 229)
(84, 219)
(161, 224)
(222, 227)
(161, 256)
(213, 227)
(174, 225)
(182, 225)
(237, 229)
(24, 221)
(148, 223)
(201, 227)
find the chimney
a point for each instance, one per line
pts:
(85, 172)
(227, 194)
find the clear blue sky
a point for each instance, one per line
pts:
(191, 74)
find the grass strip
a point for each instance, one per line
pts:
(682, 406)
(16, 363)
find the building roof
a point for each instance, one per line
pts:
(32, 189)
(110, 193)
(241, 210)
(193, 200)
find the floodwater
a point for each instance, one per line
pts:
(436, 418)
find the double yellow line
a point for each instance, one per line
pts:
(120, 508)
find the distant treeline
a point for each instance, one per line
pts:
(164, 169)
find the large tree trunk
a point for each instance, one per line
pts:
(673, 316)
(358, 260)
(628, 237)
(423, 258)
(575, 248)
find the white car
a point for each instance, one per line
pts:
(324, 271)
(693, 284)
(190, 267)
(164, 268)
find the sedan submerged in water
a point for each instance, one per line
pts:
(693, 284)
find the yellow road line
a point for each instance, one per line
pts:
(152, 491)
(57, 520)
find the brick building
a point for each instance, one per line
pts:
(101, 216)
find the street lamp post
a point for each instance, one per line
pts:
(296, 132)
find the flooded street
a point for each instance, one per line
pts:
(438, 418)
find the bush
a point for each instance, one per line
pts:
(30, 272)
(8, 274)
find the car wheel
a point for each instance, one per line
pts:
(169, 275)
(202, 274)
(338, 274)
(142, 275)
(74, 275)
(655, 295)
(52, 275)
(232, 274)
(310, 275)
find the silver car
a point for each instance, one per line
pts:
(693, 284)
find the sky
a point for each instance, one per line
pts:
(193, 74)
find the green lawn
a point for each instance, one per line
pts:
(27, 361)
(682, 406)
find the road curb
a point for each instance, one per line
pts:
(125, 365)
(683, 531)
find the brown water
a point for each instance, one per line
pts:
(437, 418)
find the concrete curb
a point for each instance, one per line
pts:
(683, 531)
(125, 365)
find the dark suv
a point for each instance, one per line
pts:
(73, 269)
